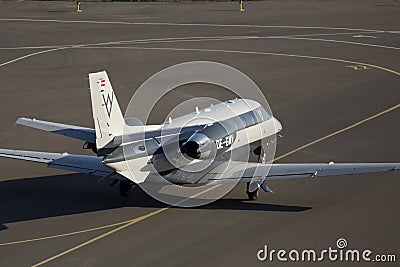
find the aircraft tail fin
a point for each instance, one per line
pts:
(107, 114)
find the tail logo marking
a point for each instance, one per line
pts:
(103, 83)
(108, 102)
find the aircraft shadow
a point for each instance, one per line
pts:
(50, 196)
(236, 204)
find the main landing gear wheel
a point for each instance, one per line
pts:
(125, 187)
(251, 195)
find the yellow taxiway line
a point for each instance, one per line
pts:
(136, 220)
(126, 224)
(141, 218)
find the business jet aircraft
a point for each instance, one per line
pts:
(168, 148)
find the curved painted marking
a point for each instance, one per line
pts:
(249, 52)
(102, 43)
(195, 24)
(340, 41)
(188, 39)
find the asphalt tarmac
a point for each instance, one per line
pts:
(322, 65)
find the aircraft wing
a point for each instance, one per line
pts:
(76, 132)
(245, 172)
(283, 171)
(77, 163)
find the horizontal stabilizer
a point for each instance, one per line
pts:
(76, 132)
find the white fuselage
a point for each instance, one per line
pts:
(230, 126)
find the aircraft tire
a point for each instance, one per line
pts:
(252, 195)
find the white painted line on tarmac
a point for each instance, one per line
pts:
(195, 24)
(345, 42)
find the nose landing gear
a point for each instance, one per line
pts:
(252, 189)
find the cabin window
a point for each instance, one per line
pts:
(249, 119)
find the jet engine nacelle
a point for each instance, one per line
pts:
(210, 141)
(199, 146)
